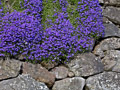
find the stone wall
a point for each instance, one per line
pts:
(95, 70)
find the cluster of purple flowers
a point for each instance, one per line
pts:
(22, 32)
(19, 32)
(90, 18)
(34, 8)
(1, 12)
(63, 5)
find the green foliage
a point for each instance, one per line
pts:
(72, 12)
(73, 2)
(49, 9)
(11, 5)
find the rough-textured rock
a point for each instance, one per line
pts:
(104, 81)
(106, 44)
(85, 64)
(22, 82)
(112, 13)
(49, 65)
(39, 73)
(112, 60)
(71, 74)
(111, 30)
(60, 72)
(75, 83)
(9, 68)
(110, 2)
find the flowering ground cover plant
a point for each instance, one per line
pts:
(50, 30)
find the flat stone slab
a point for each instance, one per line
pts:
(22, 82)
(9, 68)
(107, 44)
(104, 81)
(39, 73)
(75, 83)
(85, 64)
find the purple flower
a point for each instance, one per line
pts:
(22, 32)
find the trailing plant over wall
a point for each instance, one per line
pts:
(50, 30)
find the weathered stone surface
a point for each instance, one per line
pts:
(107, 44)
(104, 81)
(111, 30)
(9, 68)
(39, 73)
(110, 2)
(75, 83)
(71, 74)
(49, 65)
(60, 72)
(85, 64)
(22, 82)
(111, 60)
(112, 13)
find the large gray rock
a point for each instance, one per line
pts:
(85, 64)
(112, 13)
(112, 60)
(39, 73)
(9, 68)
(110, 2)
(107, 44)
(22, 82)
(75, 83)
(104, 81)
(111, 30)
(60, 72)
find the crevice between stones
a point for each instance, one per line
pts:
(59, 64)
(9, 78)
(86, 77)
(118, 49)
(101, 4)
(84, 88)
(114, 5)
(50, 88)
(21, 69)
(112, 20)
